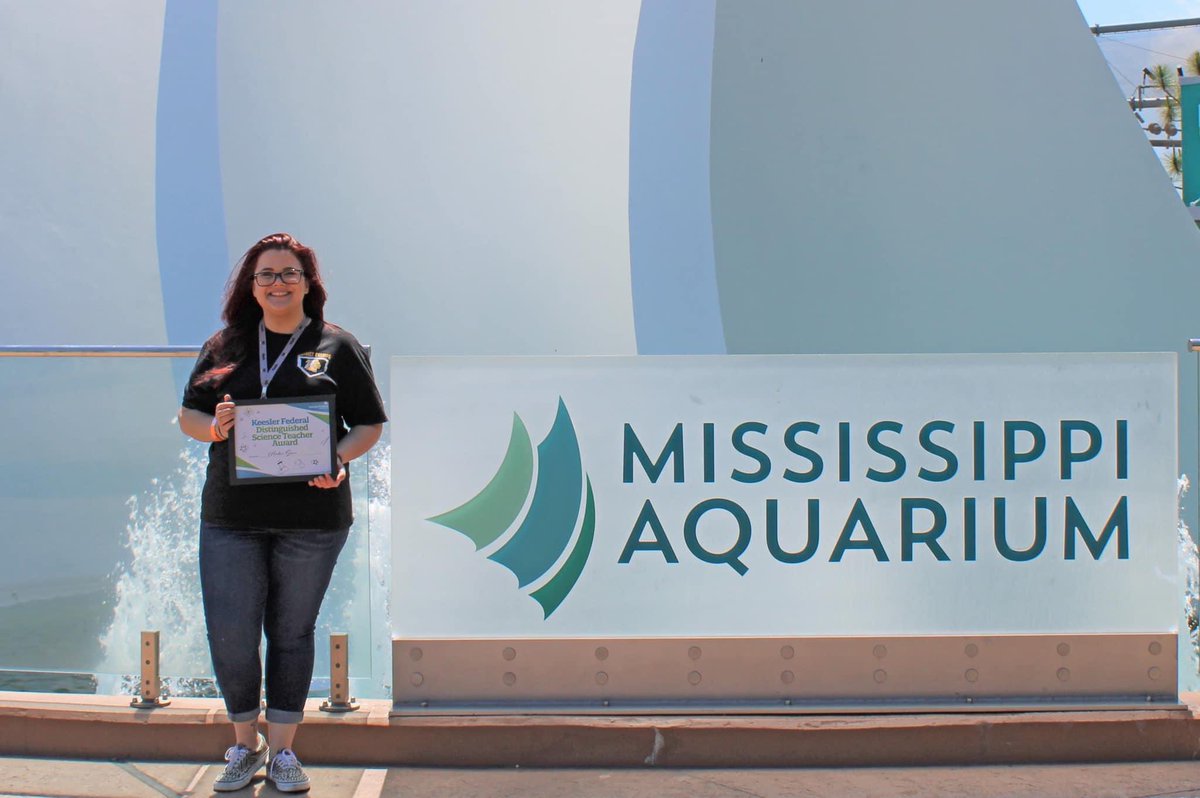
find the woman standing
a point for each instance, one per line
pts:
(267, 551)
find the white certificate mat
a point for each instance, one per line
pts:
(282, 440)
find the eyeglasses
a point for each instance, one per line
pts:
(287, 277)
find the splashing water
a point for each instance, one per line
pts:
(379, 519)
(159, 587)
(1191, 580)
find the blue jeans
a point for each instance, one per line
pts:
(264, 582)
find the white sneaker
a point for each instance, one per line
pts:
(286, 772)
(243, 764)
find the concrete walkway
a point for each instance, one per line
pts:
(51, 778)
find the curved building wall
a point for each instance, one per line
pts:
(584, 178)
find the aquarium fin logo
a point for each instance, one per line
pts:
(543, 535)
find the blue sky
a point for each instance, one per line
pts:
(1116, 12)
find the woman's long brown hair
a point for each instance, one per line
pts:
(241, 312)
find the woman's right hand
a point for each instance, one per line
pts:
(223, 417)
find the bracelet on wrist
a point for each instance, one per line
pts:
(216, 431)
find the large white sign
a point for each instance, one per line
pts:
(784, 495)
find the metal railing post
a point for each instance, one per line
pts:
(148, 693)
(339, 676)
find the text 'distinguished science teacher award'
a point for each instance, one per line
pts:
(282, 440)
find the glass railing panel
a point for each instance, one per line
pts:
(346, 608)
(99, 496)
(378, 517)
(92, 449)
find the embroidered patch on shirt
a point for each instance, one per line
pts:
(313, 363)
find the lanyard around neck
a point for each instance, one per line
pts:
(265, 374)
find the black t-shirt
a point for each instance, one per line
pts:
(325, 360)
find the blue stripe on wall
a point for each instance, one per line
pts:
(189, 207)
(676, 305)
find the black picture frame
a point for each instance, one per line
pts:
(240, 474)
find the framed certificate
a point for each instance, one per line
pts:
(282, 440)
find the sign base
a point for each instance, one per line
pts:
(785, 675)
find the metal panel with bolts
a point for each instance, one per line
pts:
(779, 674)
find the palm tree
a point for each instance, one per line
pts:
(1164, 80)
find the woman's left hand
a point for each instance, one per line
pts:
(330, 481)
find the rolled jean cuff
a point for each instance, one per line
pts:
(244, 717)
(284, 715)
